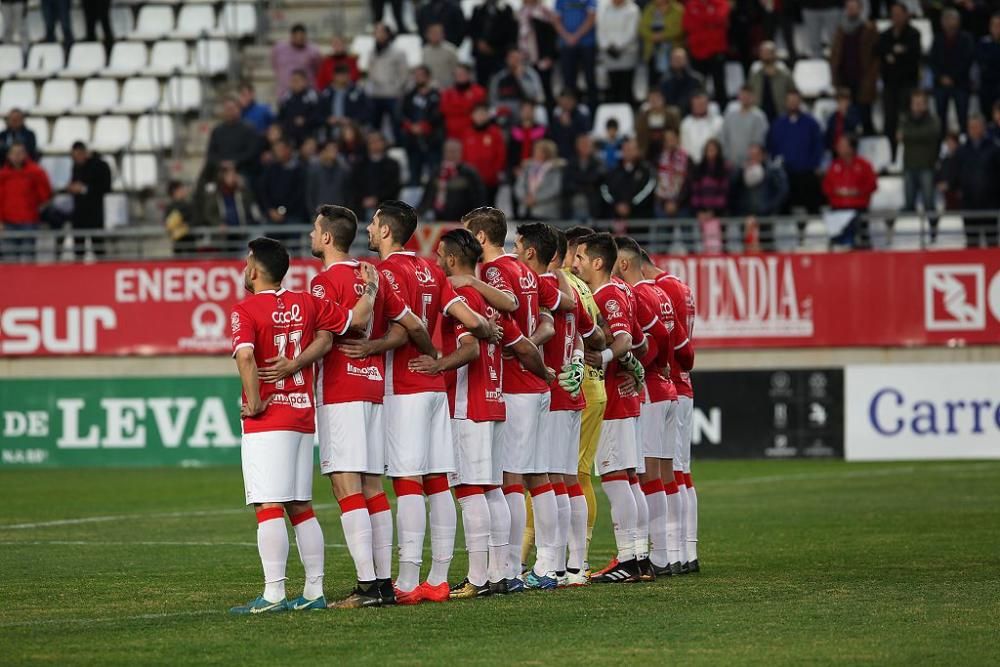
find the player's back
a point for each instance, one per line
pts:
(617, 305)
(658, 385)
(558, 350)
(682, 298)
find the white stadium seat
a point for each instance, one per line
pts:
(115, 210)
(876, 150)
(153, 132)
(68, 130)
(362, 46)
(166, 58)
(44, 60)
(194, 21)
(620, 112)
(812, 77)
(11, 60)
(112, 134)
(59, 168)
(182, 93)
(85, 59)
(57, 98)
(950, 233)
(734, 78)
(40, 126)
(36, 26)
(823, 108)
(138, 172)
(139, 95)
(122, 20)
(412, 47)
(906, 233)
(127, 59)
(889, 196)
(155, 22)
(17, 94)
(211, 57)
(98, 97)
(817, 237)
(237, 19)
(400, 156)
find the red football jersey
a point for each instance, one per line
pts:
(475, 391)
(658, 387)
(340, 379)
(559, 349)
(616, 305)
(508, 274)
(683, 299)
(423, 287)
(284, 323)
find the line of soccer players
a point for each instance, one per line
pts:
(568, 355)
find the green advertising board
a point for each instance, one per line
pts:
(175, 421)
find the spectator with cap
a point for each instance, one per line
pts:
(338, 57)
(976, 179)
(951, 61)
(387, 76)
(299, 110)
(440, 56)
(233, 139)
(538, 41)
(24, 191)
(485, 150)
(328, 179)
(988, 60)
(628, 188)
(574, 21)
(281, 188)
(375, 178)
(568, 121)
(742, 127)
(422, 125)
(899, 57)
(458, 101)
(445, 13)
(795, 139)
(582, 179)
(680, 82)
(844, 121)
(517, 82)
(343, 100)
(89, 182)
(849, 184)
(454, 188)
(920, 137)
(698, 127)
(253, 112)
(706, 29)
(655, 118)
(854, 60)
(17, 132)
(660, 29)
(617, 28)
(493, 31)
(295, 54)
(770, 81)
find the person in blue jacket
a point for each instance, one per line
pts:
(796, 139)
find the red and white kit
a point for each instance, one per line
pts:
(683, 300)
(278, 443)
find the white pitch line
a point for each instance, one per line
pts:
(105, 543)
(111, 619)
(846, 474)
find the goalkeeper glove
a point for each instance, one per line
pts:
(631, 365)
(571, 377)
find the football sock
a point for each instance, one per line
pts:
(514, 493)
(357, 526)
(411, 524)
(681, 516)
(675, 507)
(272, 544)
(543, 500)
(577, 528)
(642, 520)
(587, 484)
(692, 518)
(499, 533)
(444, 524)
(381, 518)
(309, 541)
(656, 500)
(528, 539)
(562, 533)
(624, 514)
(476, 523)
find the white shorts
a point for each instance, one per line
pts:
(653, 418)
(477, 452)
(562, 433)
(685, 428)
(277, 466)
(525, 451)
(618, 447)
(351, 438)
(418, 434)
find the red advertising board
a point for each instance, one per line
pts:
(795, 300)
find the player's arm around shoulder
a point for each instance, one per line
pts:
(502, 300)
(361, 313)
(478, 326)
(531, 358)
(545, 330)
(465, 353)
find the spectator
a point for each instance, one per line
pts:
(742, 127)
(440, 56)
(628, 188)
(611, 145)
(617, 28)
(673, 174)
(523, 137)
(536, 39)
(710, 191)
(351, 143)
(273, 135)
(680, 82)
(975, 15)
(759, 189)
(484, 150)
(94, 12)
(299, 111)
(849, 184)
(233, 140)
(920, 136)
(994, 129)
(988, 59)
(328, 179)
(57, 10)
(281, 189)
(582, 178)
(422, 125)
(253, 112)
(946, 173)
(780, 15)
(820, 18)
(387, 76)
(514, 84)
(493, 30)
(569, 120)
(578, 45)
(653, 119)
(295, 54)
(976, 178)
(770, 81)
(338, 57)
(24, 190)
(795, 139)
(17, 132)
(376, 178)
(458, 101)
(89, 182)
(699, 127)
(343, 100)
(854, 60)
(706, 25)
(539, 186)
(228, 207)
(455, 189)
(951, 60)
(378, 13)
(178, 218)
(14, 14)
(899, 56)
(844, 121)
(745, 30)
(661, 29)
(308, 150)
(445, 13)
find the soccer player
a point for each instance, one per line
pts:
(278, 418)
(526, 451)
(669, 346)
(617, 450)
(684, 554)
(419, 450)
(474, 376)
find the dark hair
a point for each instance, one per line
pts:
(271, 256)
(298, 27)
(340, 223)
(628, 245)
(463, 245)
(612, 123)
(844, 93)
(174, 186)
(246, 84)
(574, 234)
(488, 220)
(716, 168)
(400, 217)
(78, 146)
(539, 236)
(300, 72)
(423, 68)
(601, 246)
(561, 243)
(645, 258)
(746, 88)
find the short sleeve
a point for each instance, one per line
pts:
(244, 330)
(615, 312)
(448, 295)
(644, 313)
(332, 316)
(392, 305)
(511, 332)
(495, 278)
(549, 294)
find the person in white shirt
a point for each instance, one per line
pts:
(617, 40)
(698, 127)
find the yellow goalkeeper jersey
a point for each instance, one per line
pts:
(593, 378)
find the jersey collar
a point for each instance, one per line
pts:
(275, 293)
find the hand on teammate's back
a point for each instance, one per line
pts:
(278, 368)
(254, 408)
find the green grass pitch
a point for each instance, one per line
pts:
(811, 562)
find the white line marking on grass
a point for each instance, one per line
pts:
(112, 619)
(104, 543)
(846, 474)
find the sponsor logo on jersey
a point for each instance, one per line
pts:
(423, 275)
(528, 281)
(319, 291)
(367, 372)
(495, 395)
(234, 322)
(613, 307)
(291, 316)
(299, 400)
(493, 276)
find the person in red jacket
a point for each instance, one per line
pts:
(24, 189)
(338, 56)
(485, 151)
(706, 28)
(849, 184)
(458, 101)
